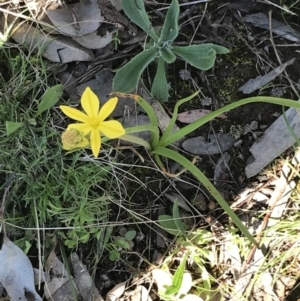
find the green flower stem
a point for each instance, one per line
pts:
(169, 139)
(136, 140)
(158, 161)
(152, 116)
(168, 153)
(137, 129)
(168, 130)
(141, 128)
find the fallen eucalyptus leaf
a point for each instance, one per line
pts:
(16, 273)
(59, 285)
(59, 50)
(83, 280)
(93, 40)
(193, 115)
(262, 20)
(221, 168)
(88, 15)
(65, 50)
(260, 81)
(276, 139)
(115, 293)
(214, 145)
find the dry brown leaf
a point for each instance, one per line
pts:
(55, 49)
(93, 40)
(212, 146)
(88, 16)
(193, 115)
(115, 293)
(83, 280)
(59, 285)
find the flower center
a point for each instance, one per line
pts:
(94, 122)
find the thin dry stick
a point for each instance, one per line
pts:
(172, 175)
(277, 55)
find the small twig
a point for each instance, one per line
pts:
(172, 175)
(133, 150)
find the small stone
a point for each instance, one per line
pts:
(212, 205)
(206, 101)
(139, 236)
(277, 92)
(236, 131)
(199, 202)
(254, 125)
(185, 74)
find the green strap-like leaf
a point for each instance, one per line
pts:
(170, 29)
(168, 56)
(177, 219)
(50, 98)
(168, 153)
(200, 56)
(159, 87)
(128, 76)
(177, 279)
(135, 10)
(169, 128)
(170, 138)
(12, 126)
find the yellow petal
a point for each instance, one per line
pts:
(112, 129)
(95, 141)
(82, 127)
(90, 102)
(74, 113)
(107, 108)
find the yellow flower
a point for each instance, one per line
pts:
(72, 139)
(93, 120)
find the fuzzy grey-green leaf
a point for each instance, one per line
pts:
(167, 54)
(170, 29)
(160, 86)
(128, 76)
(135, 10)
(200, 56)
